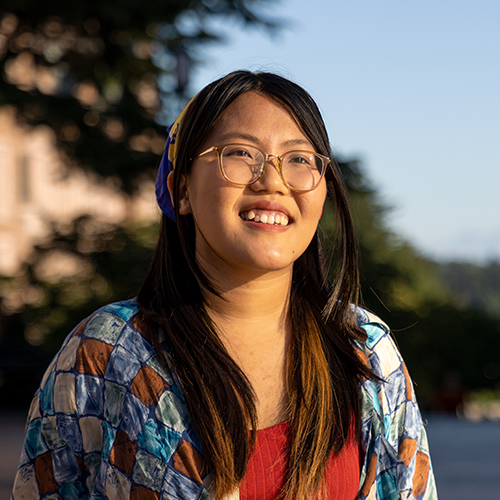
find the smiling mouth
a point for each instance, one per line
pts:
(266, 217)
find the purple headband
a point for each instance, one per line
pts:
(167, 165)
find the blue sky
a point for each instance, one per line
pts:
(412, 89)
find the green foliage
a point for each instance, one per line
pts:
(393, 274)
(473, 286)
(101, 264)
(97, 72)
(439, 336)
(105, 76)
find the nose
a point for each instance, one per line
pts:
(271, 179)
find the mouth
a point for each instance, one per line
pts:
(269, 217)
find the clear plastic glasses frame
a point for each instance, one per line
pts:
(309, 167)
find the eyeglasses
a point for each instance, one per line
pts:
(243, 165)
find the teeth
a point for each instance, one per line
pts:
(264, 218)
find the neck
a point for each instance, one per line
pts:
(254, 307)
(253, 323)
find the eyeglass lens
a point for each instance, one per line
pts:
(302, 170)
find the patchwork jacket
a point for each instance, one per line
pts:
(109, 422)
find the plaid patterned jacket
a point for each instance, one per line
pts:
(109, 422)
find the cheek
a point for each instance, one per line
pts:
(209, 203)
(315, 202)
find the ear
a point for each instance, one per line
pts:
(184, 206)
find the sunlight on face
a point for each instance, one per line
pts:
(259, 228)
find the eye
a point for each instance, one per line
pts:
(239, 151)
(242, 152)
(300, 158)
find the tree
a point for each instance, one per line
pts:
(393, 274)
(105, 75)
(441, 338)
(474, 286)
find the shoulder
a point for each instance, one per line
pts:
(109, 349)
(379, 348)
(112, 333)
(392, 395)
(108, 322)
(114, 338)
(108, 370)
(365, 318)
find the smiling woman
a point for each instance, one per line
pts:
(239, 371)
(229, 242)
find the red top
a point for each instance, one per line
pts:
(267, 467)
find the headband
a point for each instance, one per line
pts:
(167, 165)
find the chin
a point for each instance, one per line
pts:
(270, 264)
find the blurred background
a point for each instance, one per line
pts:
(409, 94)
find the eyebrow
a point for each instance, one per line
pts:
(251, 138)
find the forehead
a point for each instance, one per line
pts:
(256, 118)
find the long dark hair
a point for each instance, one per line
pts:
(322, 368)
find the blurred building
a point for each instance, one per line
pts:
(37, 190)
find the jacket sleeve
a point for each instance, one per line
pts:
(108, 421)
(397, 460)
(50, 461)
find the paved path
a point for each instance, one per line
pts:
(466, 458)
(11, 440)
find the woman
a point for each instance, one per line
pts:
(240, 371)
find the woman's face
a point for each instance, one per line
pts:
(226, 239)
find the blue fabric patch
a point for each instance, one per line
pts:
(133, 342)
(178, 487)
(413, 421)
(104, 327)
(397, 394)
(70, 431)
(387, 426)
(34, 442)
(374, 333)
(89, 395)
(149, 471)
(74, 491)
(66, 468)
(99, 488)
(46, 396)
(114, 395)
(108, 439)
(159, 440)
(122, 368)
(125, 309)
(134, 416)
(361, 316)
(387, 488)
(375, 365)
